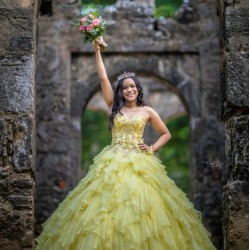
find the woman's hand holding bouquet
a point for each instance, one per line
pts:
(92, 29)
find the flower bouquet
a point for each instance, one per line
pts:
(92, 29)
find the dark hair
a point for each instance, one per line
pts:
(119, 100)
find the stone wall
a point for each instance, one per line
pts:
(57, 165)
(18, 21)
(182, 54)
(235, 89)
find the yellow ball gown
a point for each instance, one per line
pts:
(126, 201)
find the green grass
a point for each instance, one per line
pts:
(175, 155)
(95, 136)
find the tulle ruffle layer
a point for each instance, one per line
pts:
(125, 203)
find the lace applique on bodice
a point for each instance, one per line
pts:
(128, 132)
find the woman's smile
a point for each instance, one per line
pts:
(131, 94)
(129, 89)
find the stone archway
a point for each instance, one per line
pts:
(186, 35)
(95, 134)
(169, 50)
(184, 82)
(84, 85)
(165, 69)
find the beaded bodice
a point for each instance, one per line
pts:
(128, 132)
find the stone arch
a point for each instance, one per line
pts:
(150, 136)
(187, 36)
(165, 45)
(172, 69)
(181, 83)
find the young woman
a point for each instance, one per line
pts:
(126, 201)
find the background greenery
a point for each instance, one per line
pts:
(95, 136)
(165, 8)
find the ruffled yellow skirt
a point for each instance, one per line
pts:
(125, 203)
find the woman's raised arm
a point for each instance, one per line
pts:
(107, 90)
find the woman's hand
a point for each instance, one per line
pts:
(97, 46)
(145, 148)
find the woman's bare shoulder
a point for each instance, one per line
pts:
(148, 111)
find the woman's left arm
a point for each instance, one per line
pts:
(159, 126)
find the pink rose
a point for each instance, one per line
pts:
(96, 22)
(90, 27)
(91, 16)
(81, 28)
(84, 19)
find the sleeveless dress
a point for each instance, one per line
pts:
(126, 201)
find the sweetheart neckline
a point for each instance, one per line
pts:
(131, 117)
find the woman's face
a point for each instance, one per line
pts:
(129, 90)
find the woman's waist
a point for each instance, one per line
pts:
(127, 143)
(124, 148)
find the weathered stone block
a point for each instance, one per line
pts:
(210, 98)
(49, 60)
(17, 144)
(237, 87)
(229, 1)
(239, 2)
(21, 201)
(237, 147)
(27, 240)
(16, 23)
(238, 43)
(235, 206)
(236, 21)
(22, 182)
(53, 136)
(138, 8)
(14, 226)
(1, 138)
(22, 43)
(55, 176)
(16, 84)
(17, 4)
(23, 145)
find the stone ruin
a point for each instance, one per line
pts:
(47, 82)
(234, 40)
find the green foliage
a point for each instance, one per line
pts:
(175, 3)
(165, 11)
(166, 8)
(98, 2)
(175, 155)
(95, 136)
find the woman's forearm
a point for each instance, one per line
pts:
(107, 90)
(100, 65)
(163, 140)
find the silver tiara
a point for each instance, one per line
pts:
(125, 74)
